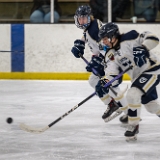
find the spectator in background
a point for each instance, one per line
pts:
(118, 8)
(40, 12)
(100, 9)
(147, 9)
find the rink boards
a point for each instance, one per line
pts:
(42, 51)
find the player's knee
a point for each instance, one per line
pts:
(134, 95)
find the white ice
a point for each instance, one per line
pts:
(82, 135)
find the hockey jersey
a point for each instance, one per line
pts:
(124, 55)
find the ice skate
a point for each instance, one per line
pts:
(131, 133)
(112, 111)
(124, 119)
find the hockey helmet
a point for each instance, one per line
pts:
(109, 30)
(82, 11)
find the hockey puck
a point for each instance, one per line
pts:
(9, 120)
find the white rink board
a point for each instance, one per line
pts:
(5, 57)
(48, 46)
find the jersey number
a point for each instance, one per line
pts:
(125, 61)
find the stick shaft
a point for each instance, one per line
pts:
(86, 99)
(71, 110)
(118, 76)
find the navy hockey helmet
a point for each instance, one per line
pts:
(109, 30)
(82, 11)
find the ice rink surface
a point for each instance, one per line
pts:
(82, 135)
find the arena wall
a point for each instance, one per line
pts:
(42, 51)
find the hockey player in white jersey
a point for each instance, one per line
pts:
(133, 49)
(84, 20)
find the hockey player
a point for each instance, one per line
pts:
(84, 20)
(133, 49)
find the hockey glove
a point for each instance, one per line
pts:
(140, 54)
(78, 47)
(100, 89)
(96, 64)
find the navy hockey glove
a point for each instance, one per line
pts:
(96, 63)
(78, 47)
(100, 89)
(140, 54)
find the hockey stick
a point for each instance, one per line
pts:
(40, 130)
(13, 51)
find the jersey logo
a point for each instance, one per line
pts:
(143, 80)
(143, 34)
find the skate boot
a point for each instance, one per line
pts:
(112, 111)
(124, 119)
(131, 133)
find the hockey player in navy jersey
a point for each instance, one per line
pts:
(133, 49)
(84, 20)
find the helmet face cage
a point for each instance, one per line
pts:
(109, 30)
(82, 11)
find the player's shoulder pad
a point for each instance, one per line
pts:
(149, 36)
(93, 29)
(131, 35)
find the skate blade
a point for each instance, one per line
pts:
(113, 116)
(131, 139)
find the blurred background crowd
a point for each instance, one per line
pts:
(39, 11)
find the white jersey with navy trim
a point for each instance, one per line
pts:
(124, 56)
